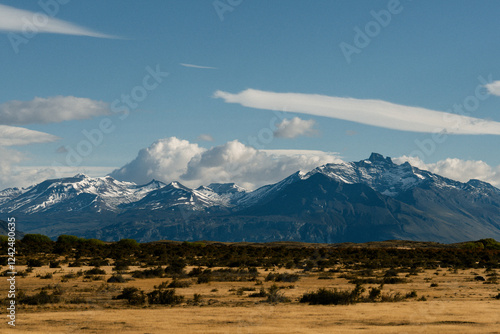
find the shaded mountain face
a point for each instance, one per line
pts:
(368, 200)
(4, 230)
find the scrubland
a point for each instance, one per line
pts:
(231, 288)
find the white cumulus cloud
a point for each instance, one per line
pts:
(372, 112)
(172, 159)
(493, 88)
(51, 109)
(295, 127)
(17, 20)
(457, 169)
(166, 160)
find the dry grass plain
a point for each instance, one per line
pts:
(458, 304)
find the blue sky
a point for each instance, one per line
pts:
(430, 55)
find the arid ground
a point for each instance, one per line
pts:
(228, 288)
(458, 304)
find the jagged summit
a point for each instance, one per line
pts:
(377, 157)
(225, 188)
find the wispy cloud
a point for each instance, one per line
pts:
(493, 88)
(14, 20)
(11, 135)
(198, 66)
(372, 112)
(50, 110)
(205, 137)
(295, 127)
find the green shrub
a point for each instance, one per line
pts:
(196, 298)
(374, 294)
(77, 300)
(164, 297)
(176, 267)
(261, 293)
(195, 272)
(121, 265)
(149, 273)
(134, 296)
(116, 279)
(34, 262)
(179, 284)
(325, 296)
(95, 271)
(394, 297)
(76, 263)
(275, 296)
(412, 294)
(204, 278)
(285, 277)
(40, 298)
(54, 264)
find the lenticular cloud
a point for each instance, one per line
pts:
(18, 20)
(372, 112)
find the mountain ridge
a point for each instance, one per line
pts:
(368, 200)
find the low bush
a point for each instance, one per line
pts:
(34, 262)
(285, 277)
(40, 298)
(134, 296)
(374, 294)
(54, 264)
(164, 297)
(95, 271)
(47, 276)
(149, 273)
(77, 300)
(325, 296)
(274, 295)
(116, 279)
(392, 297)
(261, 293)
(75, 264)
(179, 284)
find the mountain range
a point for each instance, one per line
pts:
(369, 200)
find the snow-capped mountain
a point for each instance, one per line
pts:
(9, 193)
(372, 199)
(77, 193)
(176, 194)
(382, 175)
